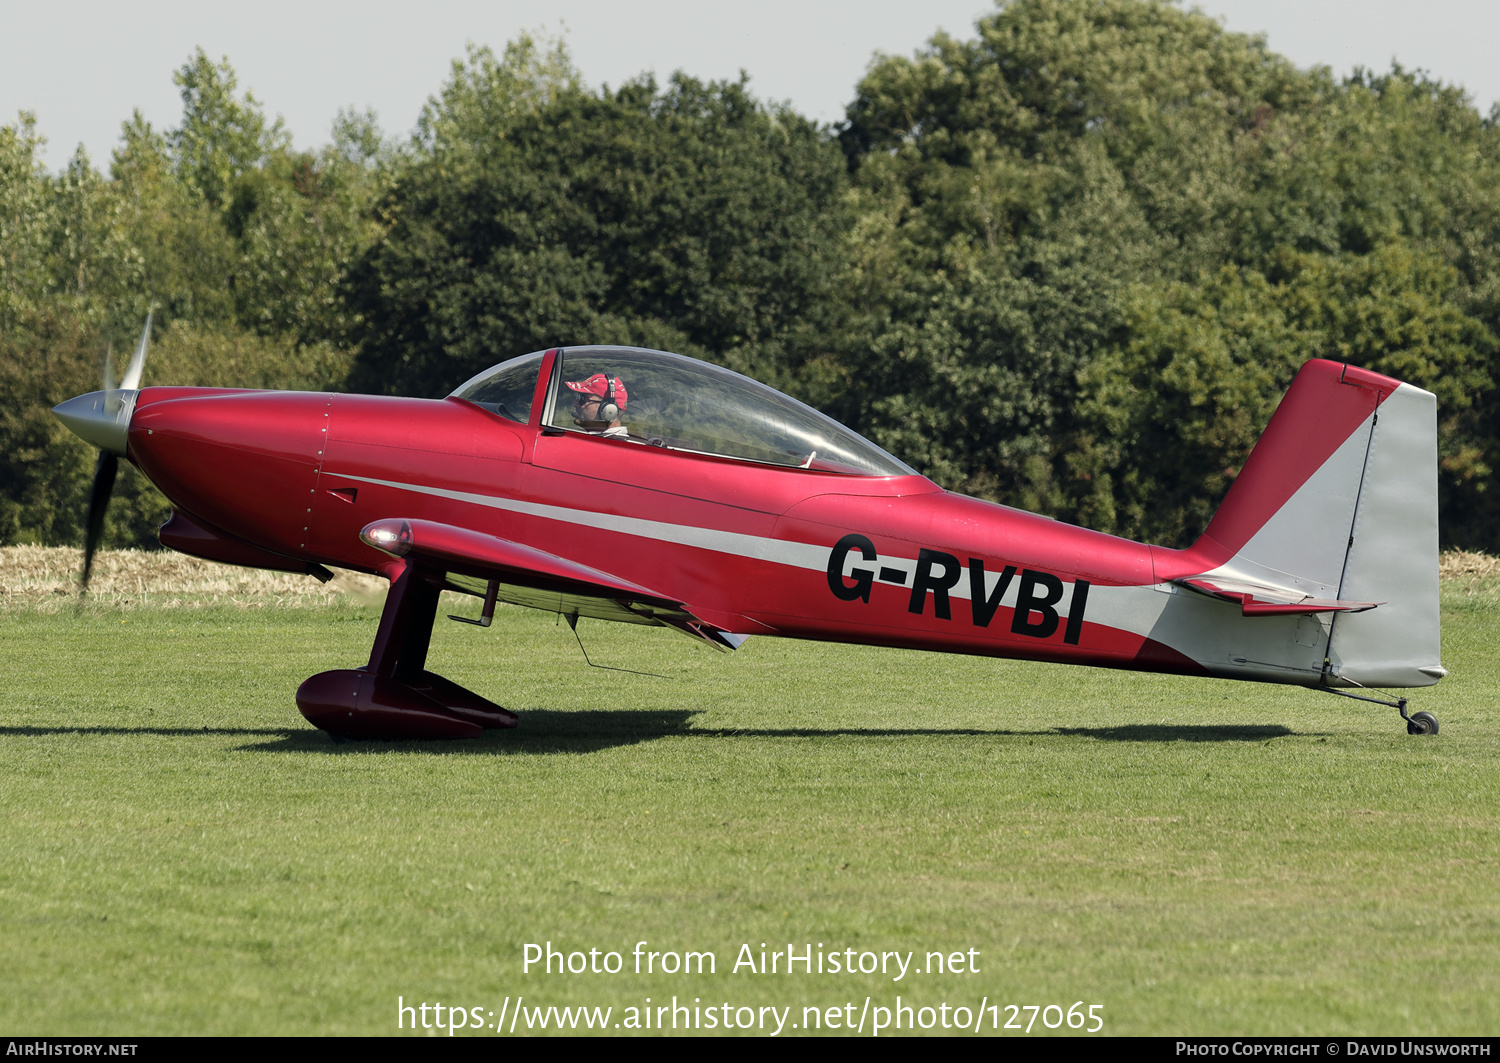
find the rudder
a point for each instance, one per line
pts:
(1392, 555)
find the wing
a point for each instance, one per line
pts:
(470, 560)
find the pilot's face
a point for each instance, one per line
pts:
(586, 407)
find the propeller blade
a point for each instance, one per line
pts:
(104, 485)
(132, 379)
(85, 420)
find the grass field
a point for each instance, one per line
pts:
(181, 853)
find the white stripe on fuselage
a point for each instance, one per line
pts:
(1125, 608)
(781, 551)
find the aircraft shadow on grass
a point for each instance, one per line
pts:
(547, 731)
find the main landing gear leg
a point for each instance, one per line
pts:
(394, 696)
(1418, 723)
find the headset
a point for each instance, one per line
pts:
(609, 411)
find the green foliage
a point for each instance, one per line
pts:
(177, 254)
(239, 243)
(196, 356)
(1069, 263)
(28, 221)
(307, 218)
(529, 212)
(221, 139)
(1096, 242)
(1167, 418)
(44, 468)
(1028, 179)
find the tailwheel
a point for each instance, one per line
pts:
(1418, 723)
(1421, 723)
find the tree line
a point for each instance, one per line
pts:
(1069, 263)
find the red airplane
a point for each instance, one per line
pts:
(640, 486)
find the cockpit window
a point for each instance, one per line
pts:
(506, 389)
(666, 400)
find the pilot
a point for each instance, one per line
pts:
(598, 403)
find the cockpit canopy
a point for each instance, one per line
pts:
(686, 405)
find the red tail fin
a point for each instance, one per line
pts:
(1327, 404)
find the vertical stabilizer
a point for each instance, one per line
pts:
(1334, 512)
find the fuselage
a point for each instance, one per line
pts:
(752, 548)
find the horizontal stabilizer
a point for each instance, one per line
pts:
(1256, 600)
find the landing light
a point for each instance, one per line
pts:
(389, 536)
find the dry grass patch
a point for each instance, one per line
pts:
(45, 578)
(1467, 567)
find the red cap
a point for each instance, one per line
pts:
(598, 384)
